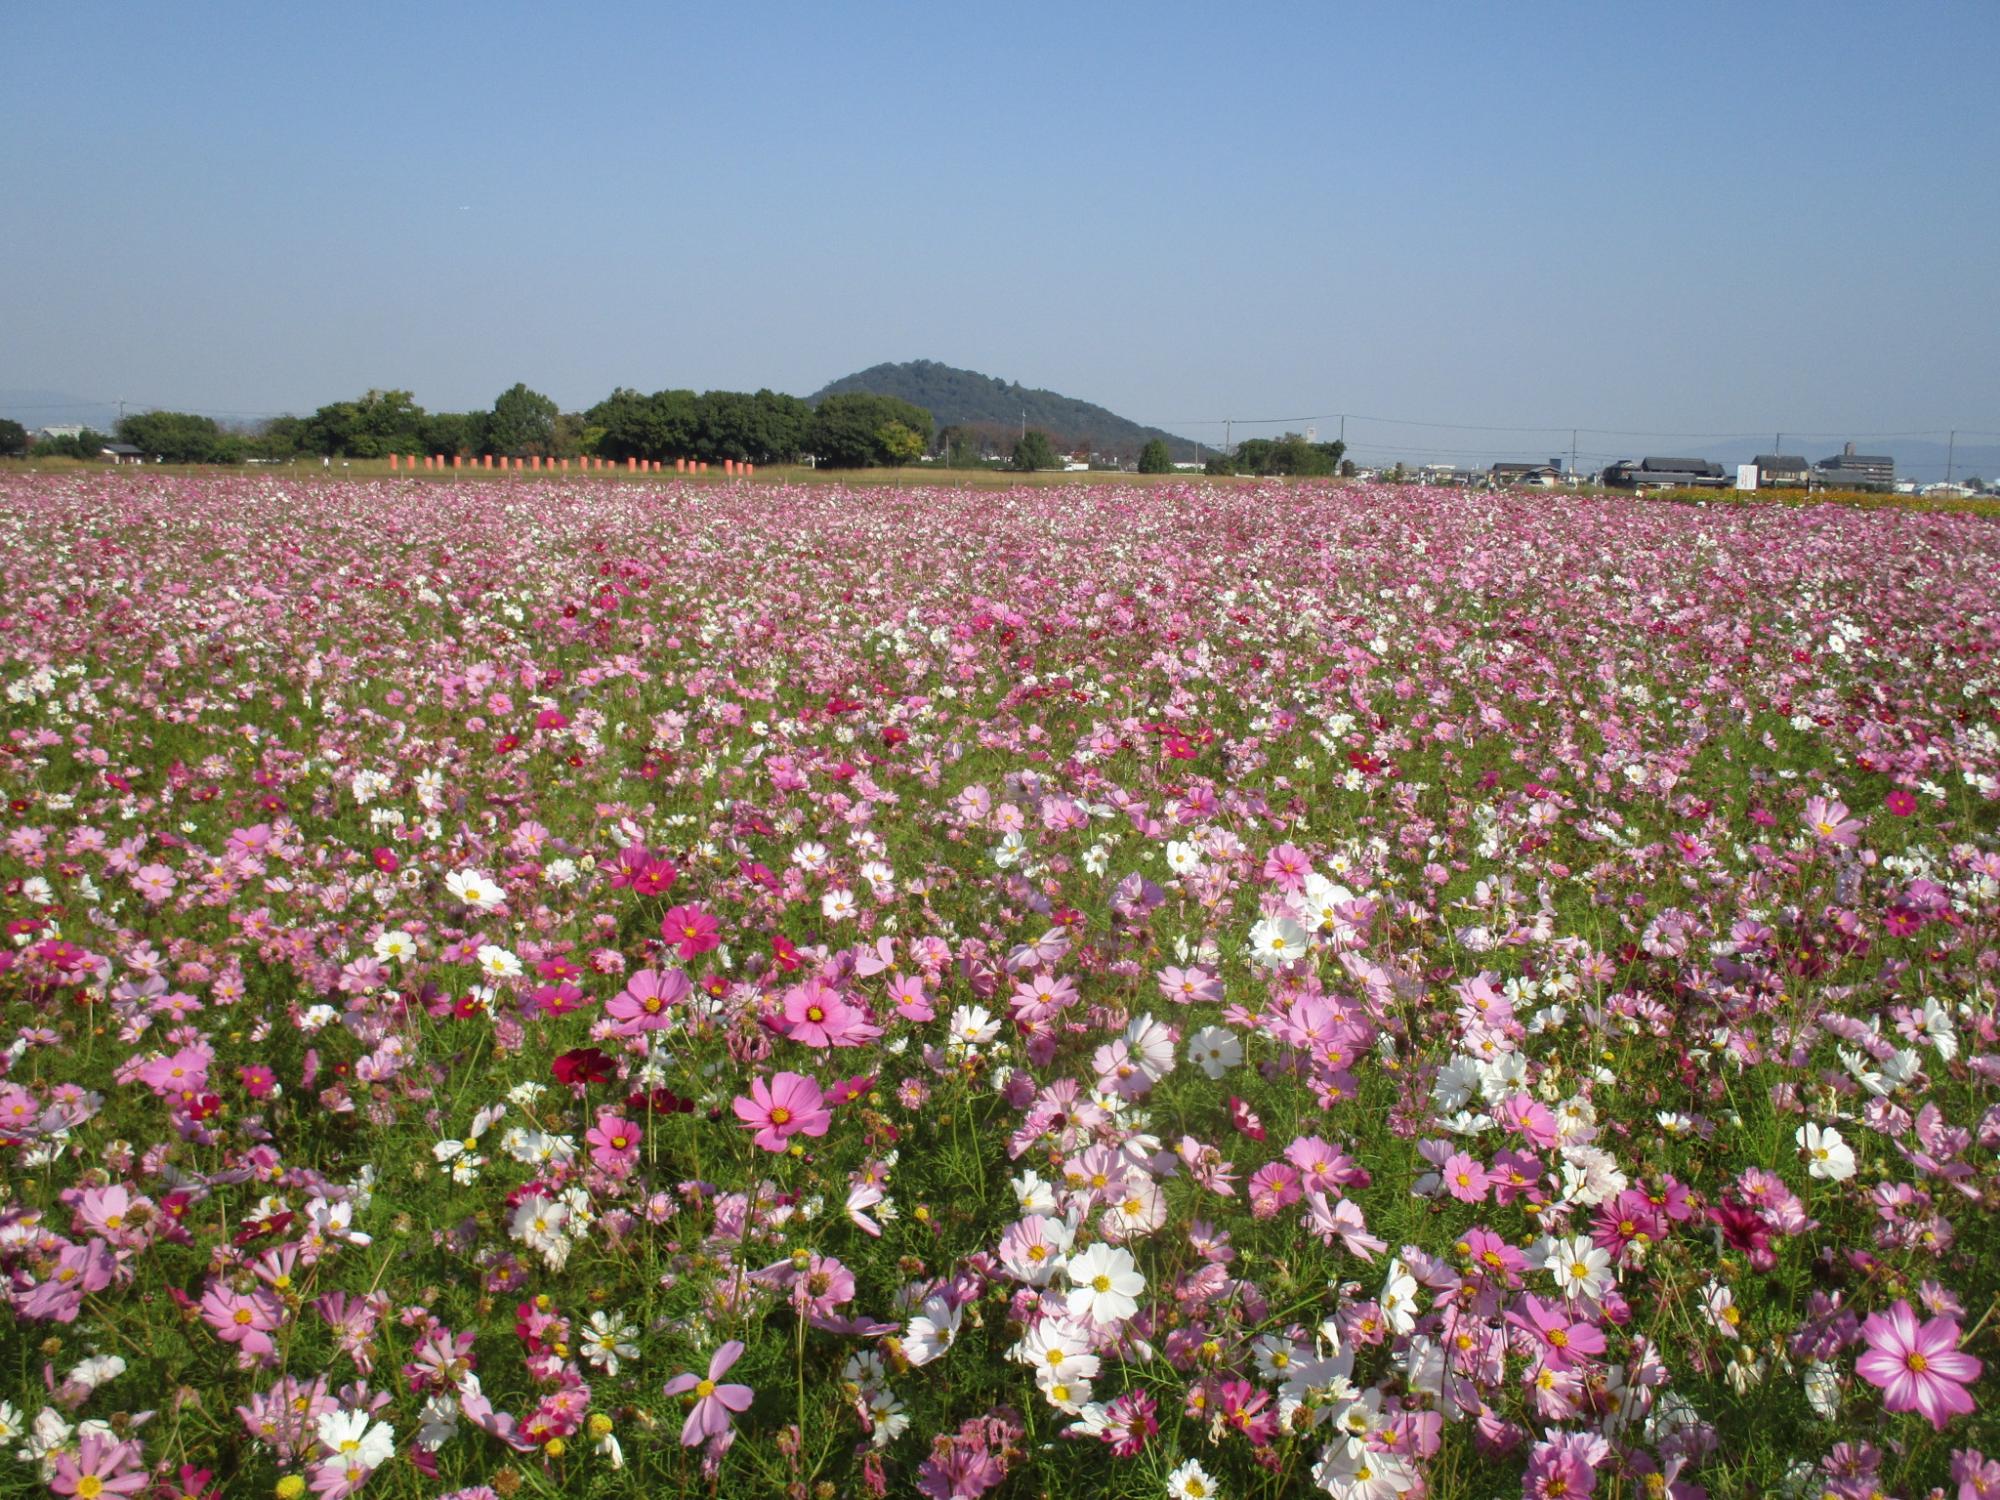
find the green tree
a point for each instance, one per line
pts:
(1290, 454)
(962, 449)
(523, 423)
(450, 432)
(86, 444)
(1154, 458)
(13, 437)
(378, 424)
(178, 437)
(860, 431)
(1034, 451)
(280, 437)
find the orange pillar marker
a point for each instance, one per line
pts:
(456, 460)
(753, 468)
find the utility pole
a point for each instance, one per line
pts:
(1572, 453)
(1951, 456)
(1228, 423)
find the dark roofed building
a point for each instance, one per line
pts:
(1848, 470)
(1782, 471)
(1664, 474)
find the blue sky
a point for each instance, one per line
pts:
(1685, 218)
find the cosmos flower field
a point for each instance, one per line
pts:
(597, 990)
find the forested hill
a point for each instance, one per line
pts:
(995, 409)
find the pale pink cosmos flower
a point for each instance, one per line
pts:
(714, 1403)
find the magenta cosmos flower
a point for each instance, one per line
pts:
(713, 1403)
(1918, 1369)
(790, 1104)
(690, 930)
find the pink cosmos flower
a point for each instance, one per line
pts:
(1828, 818)
(1465, 1178)
(790, 1104)
(614, 1144)
(714, 1404)
(691, 930)
(245, 1319)
(1186, 986)
(1559, 1341)
(817, 1016)
(1919, 1369)
(100, 1466)
(647, 1001)
(906, 993)
(1900, 803)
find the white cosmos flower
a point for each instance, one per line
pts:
(1828, 1157)
(497, 963)
(352, 1440)
(1215, 1050)
(838, 906)
(474, 889)
(1277, 941)
(395, 945)
(1580, 1267)
(1399, 1297)
(1191, 1482)
(1104, 1284)
(608, 1340)
(932, 1331)
(973, 1025)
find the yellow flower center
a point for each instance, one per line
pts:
(781, 1116)
(1100, 1283)
(1917, 1362)
(704, 1389)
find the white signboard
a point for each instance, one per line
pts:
(1746, 476)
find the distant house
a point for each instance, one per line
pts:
(1782, 471)
(1848, 470)
(48, 434)
(1543, 476)
(124, 453)
(1664, 474)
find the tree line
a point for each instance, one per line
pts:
(762, 427)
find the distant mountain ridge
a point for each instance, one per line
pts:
(995, 409)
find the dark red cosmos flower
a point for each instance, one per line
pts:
(785, 953)
(386, 861)
(271, 1227)
(658, 1101)
(894, 734)
(1744, 1228)
(581, 1066)
(1900, 803)
(506, 744)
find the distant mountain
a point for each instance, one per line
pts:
(995, 409)
(33, 409)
